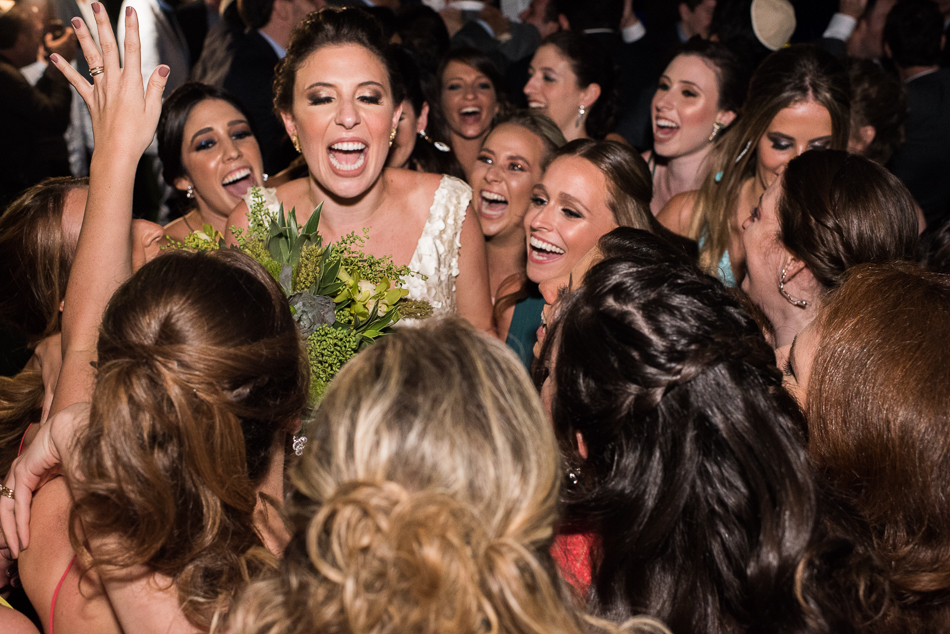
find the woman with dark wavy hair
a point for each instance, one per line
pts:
(690, 472)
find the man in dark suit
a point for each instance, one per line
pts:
(245, 68)
(34, 118)
(913, 36)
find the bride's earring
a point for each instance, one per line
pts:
(800, 303)
(580, 116)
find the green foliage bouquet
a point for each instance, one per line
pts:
(342, 298)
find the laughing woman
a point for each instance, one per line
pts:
(335, 93)
(470, 101)
(209, 155)
(510, 163)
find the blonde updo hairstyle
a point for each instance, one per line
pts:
(425, 501)
(195, 382)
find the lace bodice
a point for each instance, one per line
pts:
(435, 261)
(436, 258)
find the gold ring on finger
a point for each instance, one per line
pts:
(6, 491)
(96, 70)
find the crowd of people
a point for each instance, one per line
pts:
(686, 279)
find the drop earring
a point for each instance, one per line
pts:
(392, 136)
(717, 128)
(580, 116)
(439, 145)
(190, 192)
(296, 142)
(264, 177)
(799, 303)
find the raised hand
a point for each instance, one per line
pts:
(124, 113)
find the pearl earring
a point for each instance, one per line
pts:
(580, 116)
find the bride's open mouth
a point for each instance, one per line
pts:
(347, 156)
(238, 182)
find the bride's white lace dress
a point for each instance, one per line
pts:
(435, 260)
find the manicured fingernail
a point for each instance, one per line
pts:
(76, 22)
(96, 6)
(163, 71)
(128, 11)
(54, 58)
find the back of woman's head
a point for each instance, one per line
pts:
(592, 64)
(878, 100)
(425, 500)
(695, 478)
(878, 408)
(838, 210)
(171, 125)
(35, 258)
(195, 382)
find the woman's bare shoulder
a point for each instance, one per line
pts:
(678, 212)
(177, 229)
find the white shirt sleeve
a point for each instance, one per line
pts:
(840, 27)
(633, 33)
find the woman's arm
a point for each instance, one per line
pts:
(124, 118)
(472, 293)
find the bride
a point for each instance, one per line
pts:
(334, 91)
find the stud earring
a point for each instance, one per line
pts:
(439, 145)
(580, 116)
(717, 128)
(264, 177)
(800, 303)
(296, 142)
(190, 192)
(392, 136)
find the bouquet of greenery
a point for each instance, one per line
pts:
(341, 298)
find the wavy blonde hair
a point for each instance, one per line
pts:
(425, 502)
